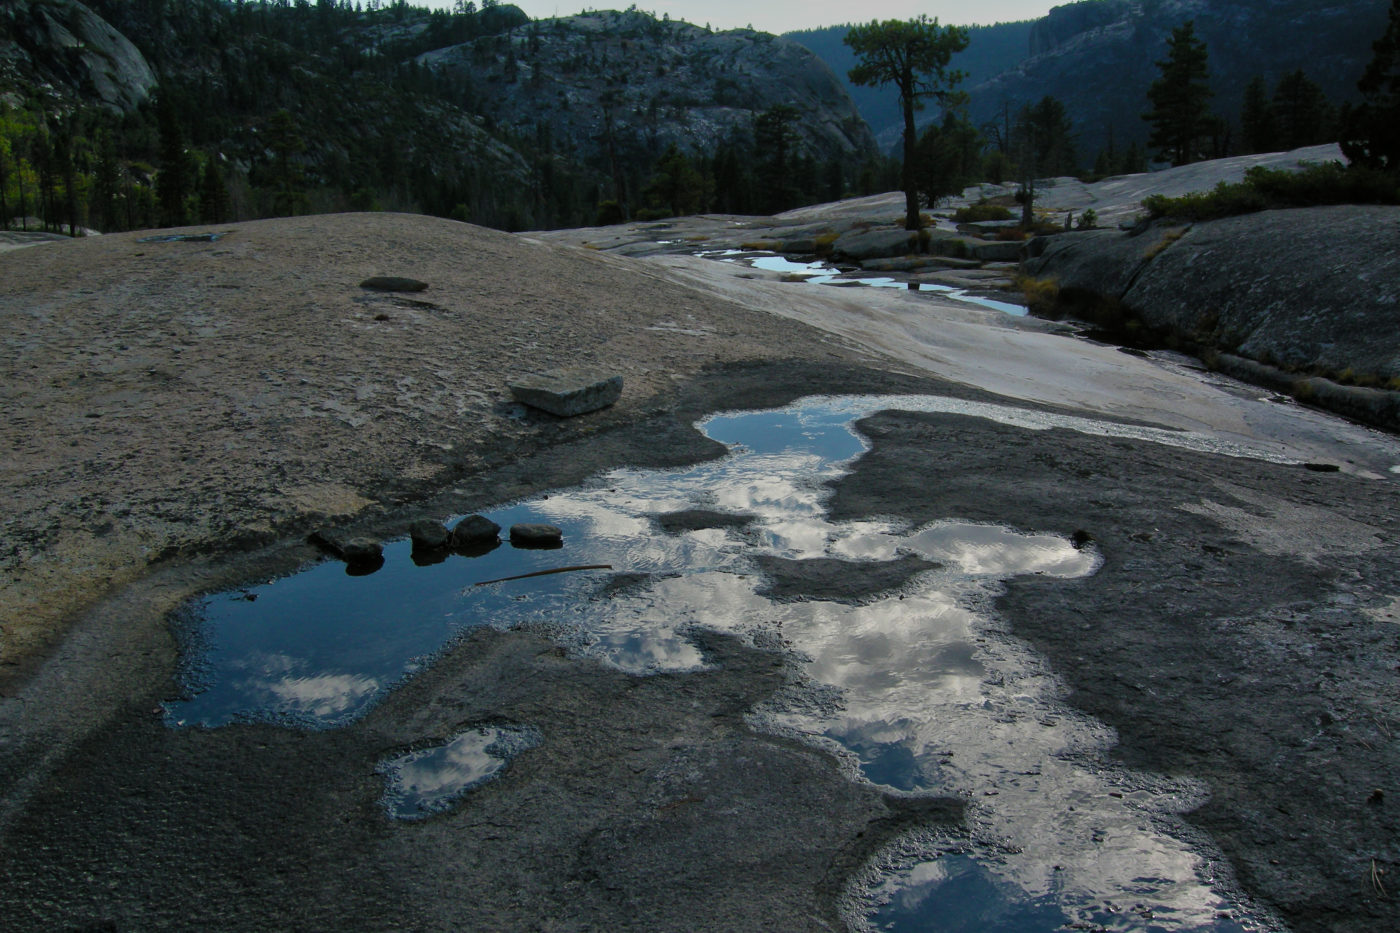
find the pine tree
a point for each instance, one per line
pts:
(106, 184)
(173, 182)
(1371, 131)
(1180, 98)
(1301, 112)
(286, 143)
(4, 182)
(775, 140)
(1257, 117)
(912, 55)
(213, 193)
(949, 157)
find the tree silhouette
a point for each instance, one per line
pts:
(1371, 130)
(912, 55)
(1257, 117)
(173, 183)
(1302, 115)
(1180, 98)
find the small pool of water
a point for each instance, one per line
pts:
(818, 272)
(918, 686)
(430, 780)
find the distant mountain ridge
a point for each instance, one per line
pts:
(1098, 57)
(482, 115)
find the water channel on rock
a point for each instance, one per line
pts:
(817, 272)
(919, 686)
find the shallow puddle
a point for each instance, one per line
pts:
(818, 272)
(429, 780)
(914, 682)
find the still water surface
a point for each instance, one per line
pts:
(921, 689)
(817, 272)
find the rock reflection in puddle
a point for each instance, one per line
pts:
(430, 780)
(919, 686)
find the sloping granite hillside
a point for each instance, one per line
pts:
(632, 82)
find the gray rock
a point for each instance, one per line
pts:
(908, 264)
(1102, 262)
(529, 534)
(393, 283)
(716, 83)
(1311, 289)
(568, 392)
(878, 243)
(361, 550)
(997, 250)
(474, 529)
(426, 533)
(69, 46)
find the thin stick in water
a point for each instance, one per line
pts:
(545, 573)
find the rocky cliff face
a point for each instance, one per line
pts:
(66, 50)
(636, 83)
(1099, 57)
(1310, 290)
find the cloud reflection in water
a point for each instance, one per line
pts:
(921, 686)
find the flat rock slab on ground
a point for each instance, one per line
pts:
(568, 392)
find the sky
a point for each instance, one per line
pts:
(787, 15)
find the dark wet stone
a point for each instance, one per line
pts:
(361, 550)
(568, 392)
(623, 584)
(393, 283)
(536, 535)
(474, 530)
(697, 519)
(351, 550)
(1080, 538)
(1322, 467)
(843, 581)
(427, 534)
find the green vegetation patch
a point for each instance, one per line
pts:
(981, 212)
(1270, 188)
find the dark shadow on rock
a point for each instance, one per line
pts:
(625, 584)
(842, 581)
(697, 519)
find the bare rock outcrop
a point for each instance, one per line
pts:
(1308, 290)
(62, 43)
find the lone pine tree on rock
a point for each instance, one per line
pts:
(913, 55)
(1180, 98)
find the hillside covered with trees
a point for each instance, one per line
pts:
(120, 114)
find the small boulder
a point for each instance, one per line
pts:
(393, 283)
(472, 530)
(357, 550)
(568, 392)
(427, 534)
(530, 535)
(361, 551)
